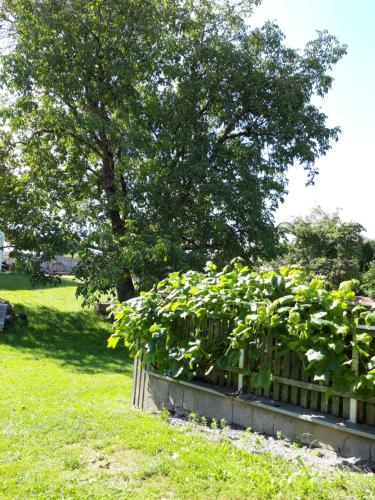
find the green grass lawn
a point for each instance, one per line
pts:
(67, 429)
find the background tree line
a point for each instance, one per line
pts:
(324, 244)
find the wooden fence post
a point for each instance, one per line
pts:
(353, 405)
(241, 365)
(139, 378)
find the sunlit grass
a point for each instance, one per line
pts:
(67, 429)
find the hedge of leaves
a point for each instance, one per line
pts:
(302, 311)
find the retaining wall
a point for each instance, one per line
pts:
(152, 392)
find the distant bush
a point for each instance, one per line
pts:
(324, 244)
(368, 281)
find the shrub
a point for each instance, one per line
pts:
(368, 281)
(302, 311)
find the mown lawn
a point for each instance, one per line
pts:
(67, 429)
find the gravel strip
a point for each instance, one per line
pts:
(318, 459)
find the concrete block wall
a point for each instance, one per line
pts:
(297, 424)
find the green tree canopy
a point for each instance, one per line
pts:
(150, 136)
(323, 243)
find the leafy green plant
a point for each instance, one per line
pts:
(204, 421)
(301, 311)
(223, 423)
(368, 281)
(164, 414)
(214, 424)
(194, 417)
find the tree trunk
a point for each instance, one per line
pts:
(124, 286)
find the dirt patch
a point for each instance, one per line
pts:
(126, 461)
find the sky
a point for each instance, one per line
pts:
(347, 173)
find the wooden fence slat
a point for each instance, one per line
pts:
(141, 386)
(346, 408)
(249, 364)
(276, 372)
(135, 378)
(370, 414)
(324, 403)
(217, 325)
(335, 406)
(294, 391)
(285, 372)
(268, 359)
(304, 394)
(259, 390)
(314, 400)
(361, 412)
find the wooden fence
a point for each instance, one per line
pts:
(290, 383)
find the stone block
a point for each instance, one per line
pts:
(242, 414)
(262, 420)
(222, 408)
(158, 391)
(205, 403)
(176, 396)
(189, 403)
(149, 405)
(322, 437)
(354, 446)
(304, 432)
(286, 425)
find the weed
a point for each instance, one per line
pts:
(214, 424)
(194, 417)
(223, 423)
(279, 434)
(258, 442)
(72, 463)
(204, 421)
(296, 445)
(164, 414)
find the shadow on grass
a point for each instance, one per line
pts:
(77, 339)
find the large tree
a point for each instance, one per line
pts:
(146, 136)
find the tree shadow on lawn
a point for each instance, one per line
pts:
(77, 339)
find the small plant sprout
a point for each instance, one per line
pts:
(164, 414)
(214, 423)
(279, 434)
(258, 442)
(194, 417)
(295, 445)
(223, 423)
(246, 434)
(204, 421)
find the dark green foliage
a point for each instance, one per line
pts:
(324, 244)
(368, 281)
(149, 136)
(298, 309)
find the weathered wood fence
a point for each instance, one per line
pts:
(290, 383)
